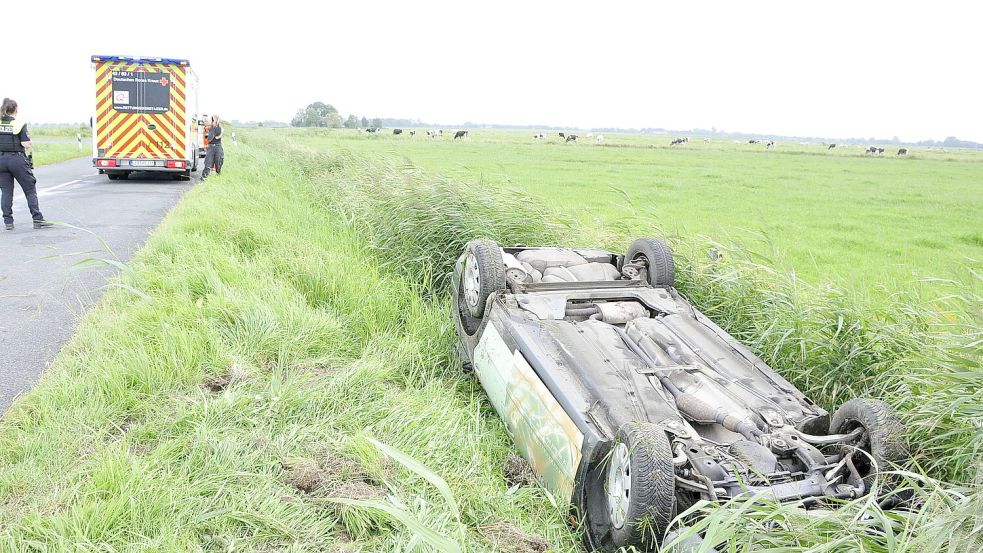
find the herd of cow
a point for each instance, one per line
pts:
(430, 133)
(769, 144)
(599, 139)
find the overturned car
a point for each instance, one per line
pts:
(631, 404)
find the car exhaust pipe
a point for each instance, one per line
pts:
(694, 407)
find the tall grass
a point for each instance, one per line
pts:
(921, 356)
(294, 310)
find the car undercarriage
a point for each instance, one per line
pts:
(632, 404)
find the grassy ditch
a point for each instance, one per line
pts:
(225, 411)
(293, 310)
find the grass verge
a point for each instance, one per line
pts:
(296, 312)
(46, 153)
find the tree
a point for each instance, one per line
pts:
(377, 122)
(364, 123)
(317, 114)
(351, 122)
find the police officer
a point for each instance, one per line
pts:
(215, 155)
(14, 143)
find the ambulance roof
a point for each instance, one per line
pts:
(132, 59)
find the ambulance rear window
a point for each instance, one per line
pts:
(141, 92)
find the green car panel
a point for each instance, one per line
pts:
(540, 428)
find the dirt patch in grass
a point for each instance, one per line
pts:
(216, 383)
(358, 489)
(509, 538)
(334, 476)
(305, 475)
(517, 472)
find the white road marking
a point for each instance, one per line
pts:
(46, 191)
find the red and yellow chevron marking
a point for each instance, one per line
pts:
(128, 135)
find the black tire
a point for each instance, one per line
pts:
(661, 270)
(651, 497)
(884, 438)
(112, 176)
(489, 269)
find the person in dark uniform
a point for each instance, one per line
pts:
(215, 156)
(14, 164)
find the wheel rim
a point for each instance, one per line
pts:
(472, 281)
(619, 485)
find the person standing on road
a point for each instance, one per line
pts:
(215, 155)
(14, 164)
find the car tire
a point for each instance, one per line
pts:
(483, 274)
(884, 437)
(640, 459)
(112, 176)
(661, 270)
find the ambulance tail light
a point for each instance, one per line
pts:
(173, 164)
(106, 163)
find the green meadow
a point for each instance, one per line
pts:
(874, 225)
(248, 382)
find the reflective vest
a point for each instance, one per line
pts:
(10, 135)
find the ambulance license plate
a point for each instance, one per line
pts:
(142, 163)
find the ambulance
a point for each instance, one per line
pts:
(145, 117)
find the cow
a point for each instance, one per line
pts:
(902, 152)
(372, 129)
(562, 135)
(412, 133)
(571, 138)
(599, 139)
(706, 140)
(770, 144)
(830, 147)
(397, 131)
(538, 136)
(880, 151)
(753, 141)
(679, 141)
(460, 134)
(433, 134)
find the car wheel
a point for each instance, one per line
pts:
(660, 269)
(112, 176)
(883, 437)
(631, 493)
(484, 273)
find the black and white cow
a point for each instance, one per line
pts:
(372, 129)
(412, 133)
(562, 135)
(753, 141)
(830, 147)
(679, 141)
(902, 151)
(460, 134)
(770, 144)
(571, 138)
(397, 131)
(538, 136)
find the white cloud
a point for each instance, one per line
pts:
(835, 68)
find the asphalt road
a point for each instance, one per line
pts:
(41, 296)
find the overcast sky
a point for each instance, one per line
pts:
(835, 69)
